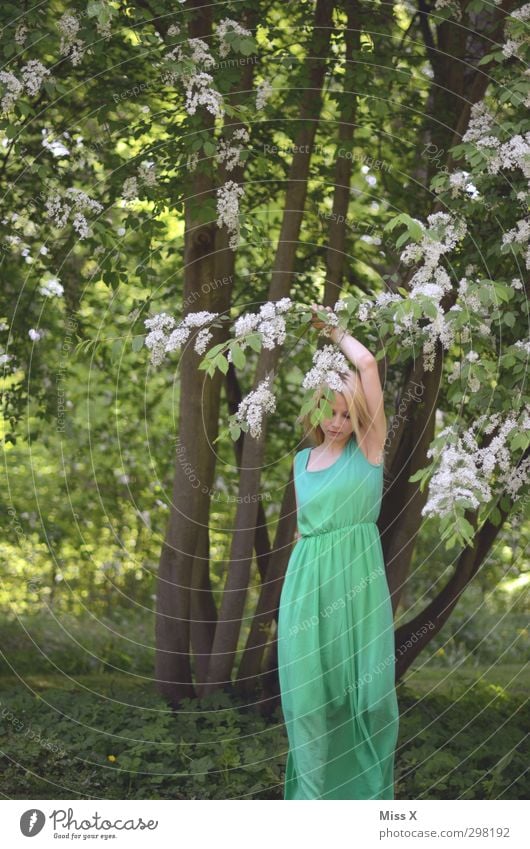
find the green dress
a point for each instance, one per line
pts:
(336, 651)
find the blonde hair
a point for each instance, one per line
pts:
(353, 393)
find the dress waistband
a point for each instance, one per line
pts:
(341, 528)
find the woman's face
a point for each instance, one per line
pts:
(339, 426)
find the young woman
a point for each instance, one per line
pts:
(335, 624)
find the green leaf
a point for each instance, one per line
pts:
(212, 352)
(238, 357)
(306, 407)
(495, 516)
(415, 230)
(327, 410)
(116, 349)
(247, 46)
(137, 343)
(222, 363)
(451, 542)
(519, 441)
(254, 340)
(467, 530)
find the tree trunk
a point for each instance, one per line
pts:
(412, 637)
(229, 623)
(455, 83)
(198, 423)
(268, 602)
(335, 253)
(204, 610)
(267, 608)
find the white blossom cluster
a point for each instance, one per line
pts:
(365, 309)
(524, 345)
(453, 5)
(56, 147)
(459, 181)
(33, 75)
(328, 365)
(51, 288)
(193, 159)
(12, 90)
(469, 300)
(514, 153)
(159, 343)
(225, 27)
(385, 298)
(21, 34)
(147, 172)
(269, 322)
(254, 406)
(263, 93)
(480, 126)
(195, 49)
(473, 383)
(229, 151)
(521, 235)
(522, 14)
(199, 84)
(130, 189)
(35, 335)
(200, 92)
(431, 280)
(70, 46)
(228, 210)
(466, 472)
(4, 358)
(104, 29)
(512, 46)
(60, 207)
(442, 236)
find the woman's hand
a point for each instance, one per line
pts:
(332, 330)
(318, 323)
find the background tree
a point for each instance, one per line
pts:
(212, 160)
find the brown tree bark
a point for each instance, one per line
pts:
(457, 83)
(198, 424)
(203, 606)
(335, 252)
(411, 638)
(229, 622)
(267, 608)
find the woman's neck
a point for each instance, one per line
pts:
(334, 445)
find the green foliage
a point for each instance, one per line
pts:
(114, 738)
(86, 504)
(215, 748)
(467, 745)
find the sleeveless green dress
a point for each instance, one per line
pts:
(336, 650)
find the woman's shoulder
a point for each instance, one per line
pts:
(299, 454)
